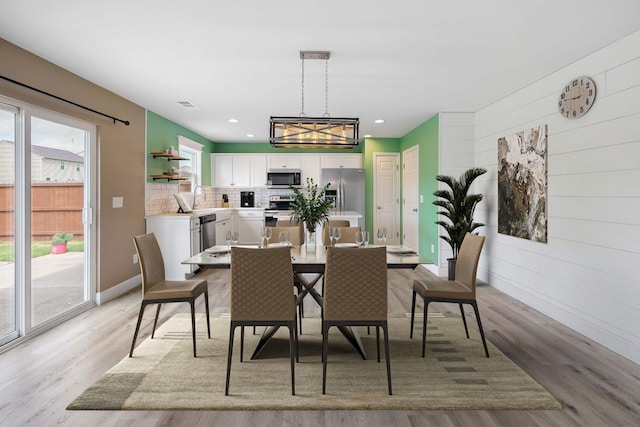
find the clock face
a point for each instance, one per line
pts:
(577, 97)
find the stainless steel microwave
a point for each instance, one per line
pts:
(283, 178)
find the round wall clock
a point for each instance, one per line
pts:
(577, 97)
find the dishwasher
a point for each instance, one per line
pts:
(249, 223)
(207, 231)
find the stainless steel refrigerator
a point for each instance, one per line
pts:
(347, 190)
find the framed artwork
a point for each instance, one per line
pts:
(522, 184)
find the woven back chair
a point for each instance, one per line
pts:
(299, 225)
(295, 237)
(355, 294)
(157, 290)
(460, 291)
(262, 295)
(331, 223)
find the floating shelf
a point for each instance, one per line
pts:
(169, 177)
(168, 156)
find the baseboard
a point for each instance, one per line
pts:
(119, 289)
(438, 271)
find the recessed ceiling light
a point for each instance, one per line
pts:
(233, 120)
(188, 105)
(378, 121)
(250, 135)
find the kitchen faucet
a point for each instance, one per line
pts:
(204, 195)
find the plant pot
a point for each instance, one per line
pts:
(59, 248)
(452, 268)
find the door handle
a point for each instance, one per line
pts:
(379, 207)
(415, 209)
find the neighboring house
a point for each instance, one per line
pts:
(47, 164)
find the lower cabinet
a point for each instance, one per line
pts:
(179, 239)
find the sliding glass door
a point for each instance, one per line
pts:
(8, 288)
(46, 227)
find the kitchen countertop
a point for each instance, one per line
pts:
(204, 211)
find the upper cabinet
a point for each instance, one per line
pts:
(283, 161)
(250, 170)
(259, 171)
(231, 170)
(310, 167)
(238, 170)
(347, 160)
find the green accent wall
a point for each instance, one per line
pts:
(162, 133)
(427, 137)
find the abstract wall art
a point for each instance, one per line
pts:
(522, 184)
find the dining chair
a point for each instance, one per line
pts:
(262, 295)
(348, 235)
(299, 225)
(462, 290)
(295, 237)
(355, 294)
(157, 290)
(326, 241)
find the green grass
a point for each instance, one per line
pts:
(38, 248)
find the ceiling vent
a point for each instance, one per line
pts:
(189, 106)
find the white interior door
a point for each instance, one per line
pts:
(410, 192)
(386, 196)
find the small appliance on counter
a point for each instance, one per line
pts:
(225, 201)
(247, 199)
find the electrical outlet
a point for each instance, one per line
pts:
(135, 258)
(421, 198)
(433, 248)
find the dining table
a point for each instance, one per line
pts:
(307, 262)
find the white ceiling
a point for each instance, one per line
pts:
(401, 61)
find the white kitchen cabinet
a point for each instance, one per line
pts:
(350, 160)
(310, 167)
(179, 238)
(231, 170)
(249, 222)
(283, 161)
(259, 171)
(224, 223)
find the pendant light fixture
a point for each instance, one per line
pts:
(314, 132)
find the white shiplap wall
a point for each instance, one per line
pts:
(588, 275)
(455, 156)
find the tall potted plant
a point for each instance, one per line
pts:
(312, 209)
(458, 208)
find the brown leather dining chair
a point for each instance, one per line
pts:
(295, 237)
(157, 290)
(355, 294)
(331, 223)
(462, 290)
(262, 295)
(300, 227)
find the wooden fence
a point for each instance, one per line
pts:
(55, 207)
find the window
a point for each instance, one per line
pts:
(62, 165)
(192, 167)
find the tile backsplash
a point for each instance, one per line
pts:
(159, 197)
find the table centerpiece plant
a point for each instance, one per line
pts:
(311, 209)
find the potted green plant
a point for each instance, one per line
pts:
(458, 208)
(59, 242)
(312, 209)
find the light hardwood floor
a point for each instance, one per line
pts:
(595, 386)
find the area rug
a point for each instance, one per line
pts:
(164, 375)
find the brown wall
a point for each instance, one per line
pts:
(121, 151)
